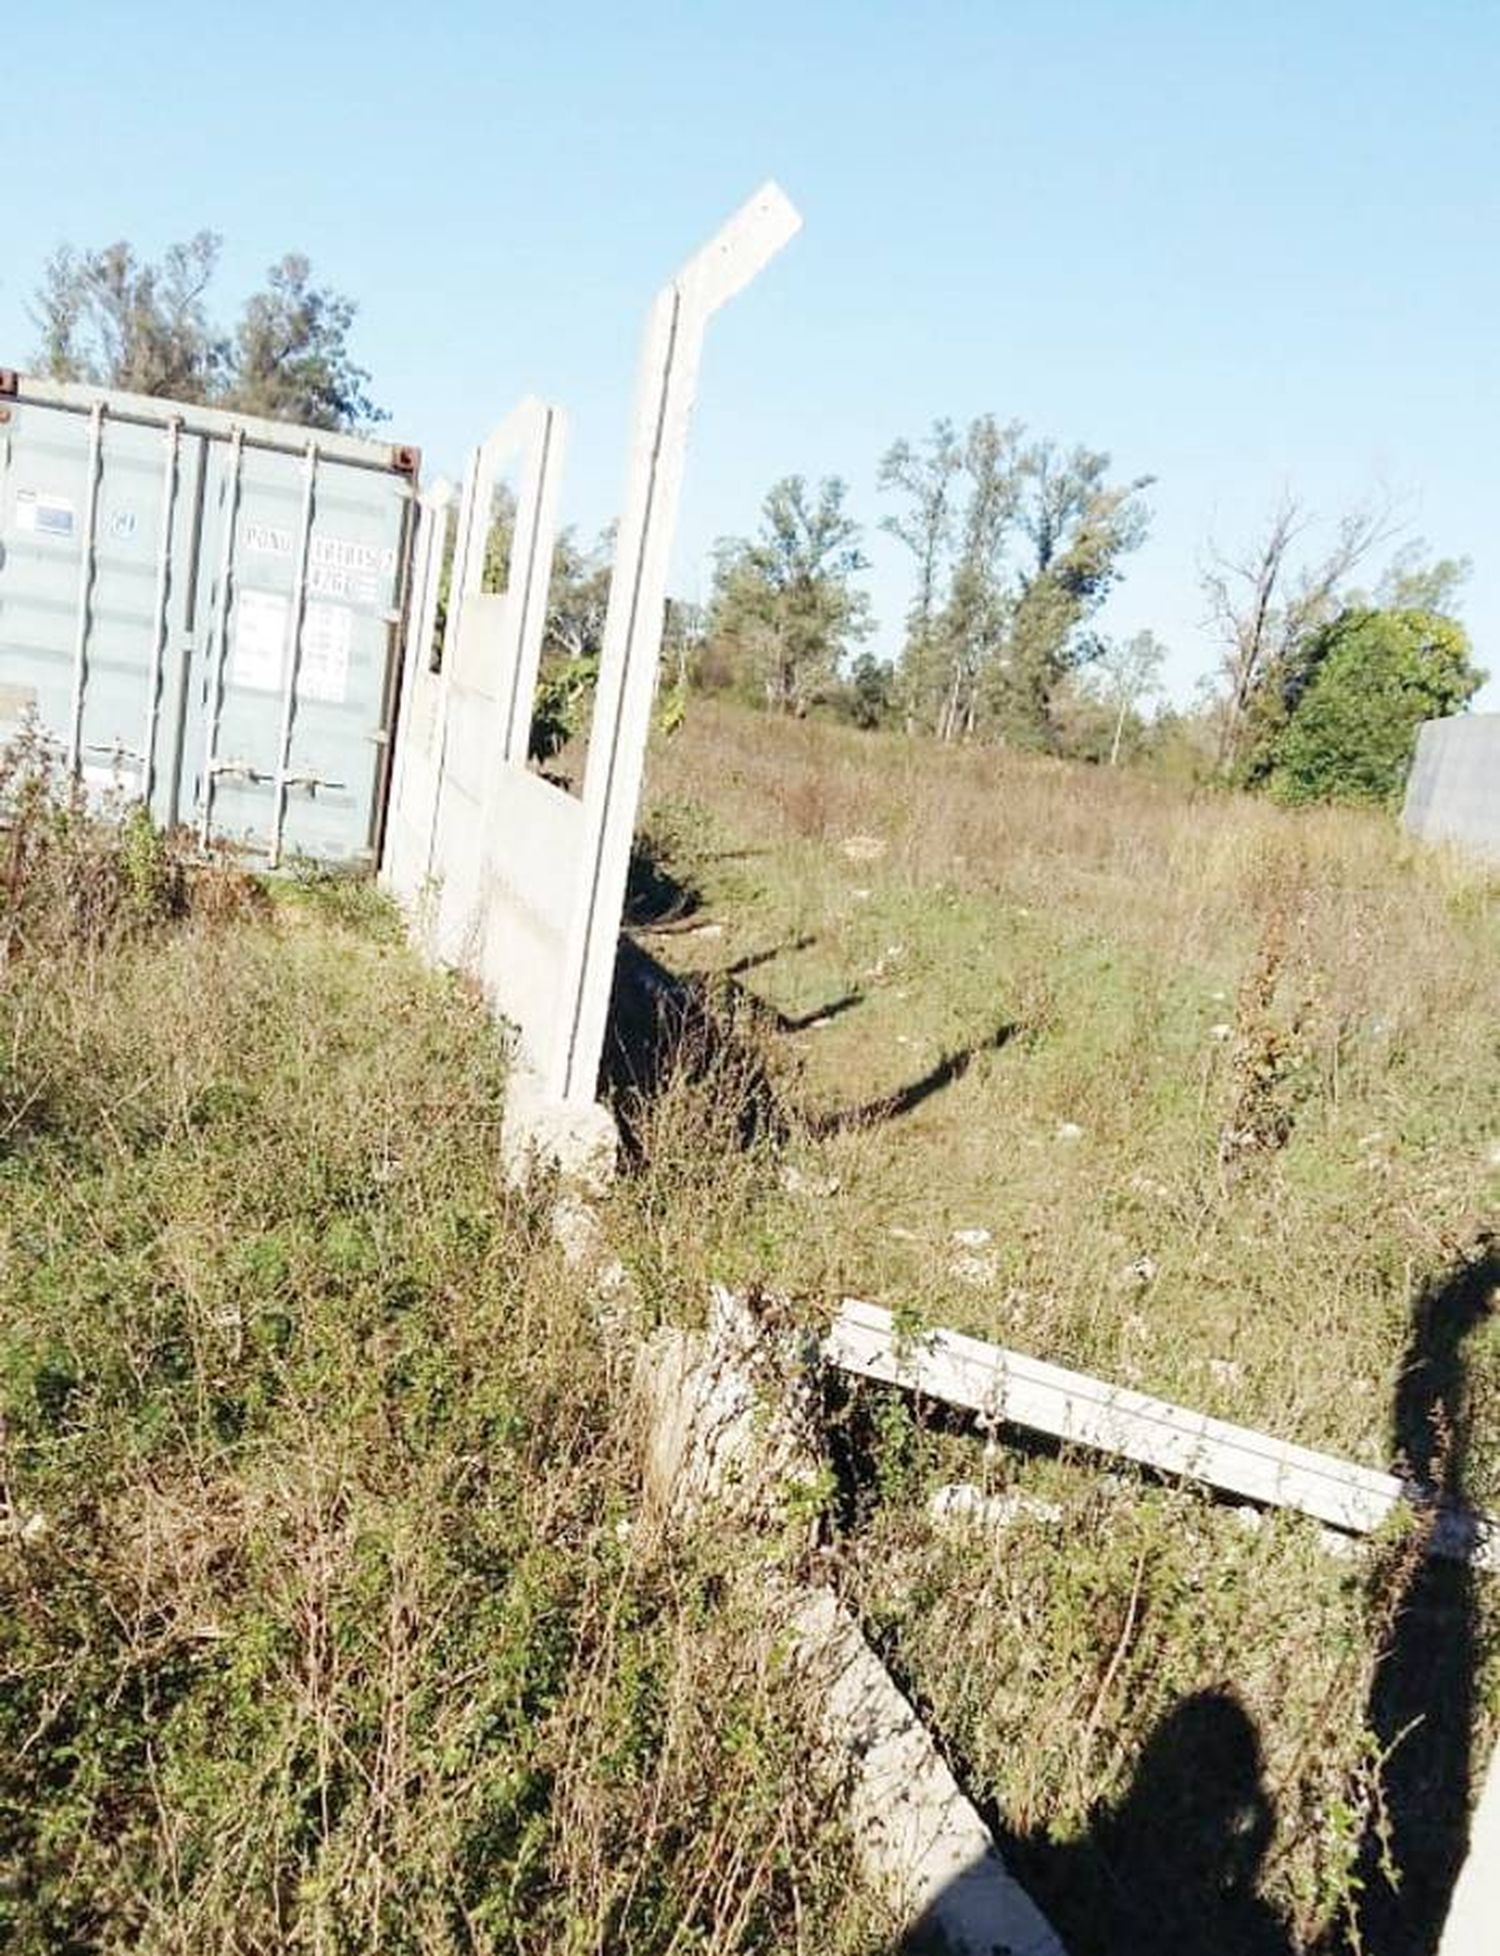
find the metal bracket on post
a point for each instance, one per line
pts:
(637, 604)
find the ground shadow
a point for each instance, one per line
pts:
(819, 1015)
(905, 1100)
(753, 960)
(662, 1024)
(656, 898)
(1174, 1867)
(1177, 1864)
(1421, 1705)
(662, 1021)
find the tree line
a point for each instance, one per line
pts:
(1015, 543)
(113, 319)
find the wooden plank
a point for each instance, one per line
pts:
(1071, 1406)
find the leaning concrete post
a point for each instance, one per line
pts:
(637, 604)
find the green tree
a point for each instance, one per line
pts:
(785, 608)
(1377, 675)
(112, 319)
(291, 357)
(925, 475)
(1017, 544)
(869, 694)
(1125, 675)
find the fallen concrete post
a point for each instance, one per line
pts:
(732, 1431)
(1071, 1406)
(1471, 1928)
(920, 1840)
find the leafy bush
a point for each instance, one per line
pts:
(1376, 676)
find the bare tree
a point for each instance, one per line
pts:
(1263, 603)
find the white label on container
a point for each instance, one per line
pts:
(327, 636)
(259, 641)
(42, 515)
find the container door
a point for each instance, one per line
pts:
(96, 554)
(306, 559)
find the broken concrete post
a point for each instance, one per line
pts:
(540, 1132)
(732, 1429)
(920, 1840)
(731, 1418)
(1473, 1925)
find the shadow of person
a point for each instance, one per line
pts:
(1174, 1868)
(1421, 1704)
(1176, 1865)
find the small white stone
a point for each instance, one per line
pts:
(32, 1529)
(860, 896)
(1224, 1371)
(963, 1501)
(863, 848)
(1069, 1131)
(1220, 1031)
(1492, 1158)
(1148, 1185)
(972, 1239)
(795, 1182)
(973, 1268)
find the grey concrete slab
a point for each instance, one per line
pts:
(1453, 793)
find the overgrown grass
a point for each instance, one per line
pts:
(324, 1620)
(1199, 1094)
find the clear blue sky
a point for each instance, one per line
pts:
(1242, 248)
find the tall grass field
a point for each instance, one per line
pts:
(330, 1615)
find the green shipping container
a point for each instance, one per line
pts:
(203, 611)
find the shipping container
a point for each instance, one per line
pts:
(202, 611)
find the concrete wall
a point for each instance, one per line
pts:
(1453, 794)
(505, 874)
